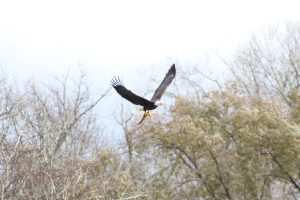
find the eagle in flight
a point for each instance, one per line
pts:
(135, 99)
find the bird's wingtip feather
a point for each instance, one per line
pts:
(173, 69)
(115, 81)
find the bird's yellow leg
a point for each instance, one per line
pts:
(146, 114)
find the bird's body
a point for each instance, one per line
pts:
(149, 106)
(135, 99)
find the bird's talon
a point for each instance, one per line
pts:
(147, 114)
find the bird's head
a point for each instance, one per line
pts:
(158, 103)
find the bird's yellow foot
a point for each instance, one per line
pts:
(146, 114)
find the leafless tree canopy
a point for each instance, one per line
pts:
(50, 144)
(270, 64)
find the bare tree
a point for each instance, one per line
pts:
(269, 64)
(51, 145)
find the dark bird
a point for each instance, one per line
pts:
(135, 99)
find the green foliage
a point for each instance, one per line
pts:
(227, 146)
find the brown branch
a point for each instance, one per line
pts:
(220, 177)
(292, 180)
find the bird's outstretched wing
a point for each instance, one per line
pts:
(164, 84)
(127, 94)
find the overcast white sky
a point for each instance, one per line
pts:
(44, 38)
(47, 37)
